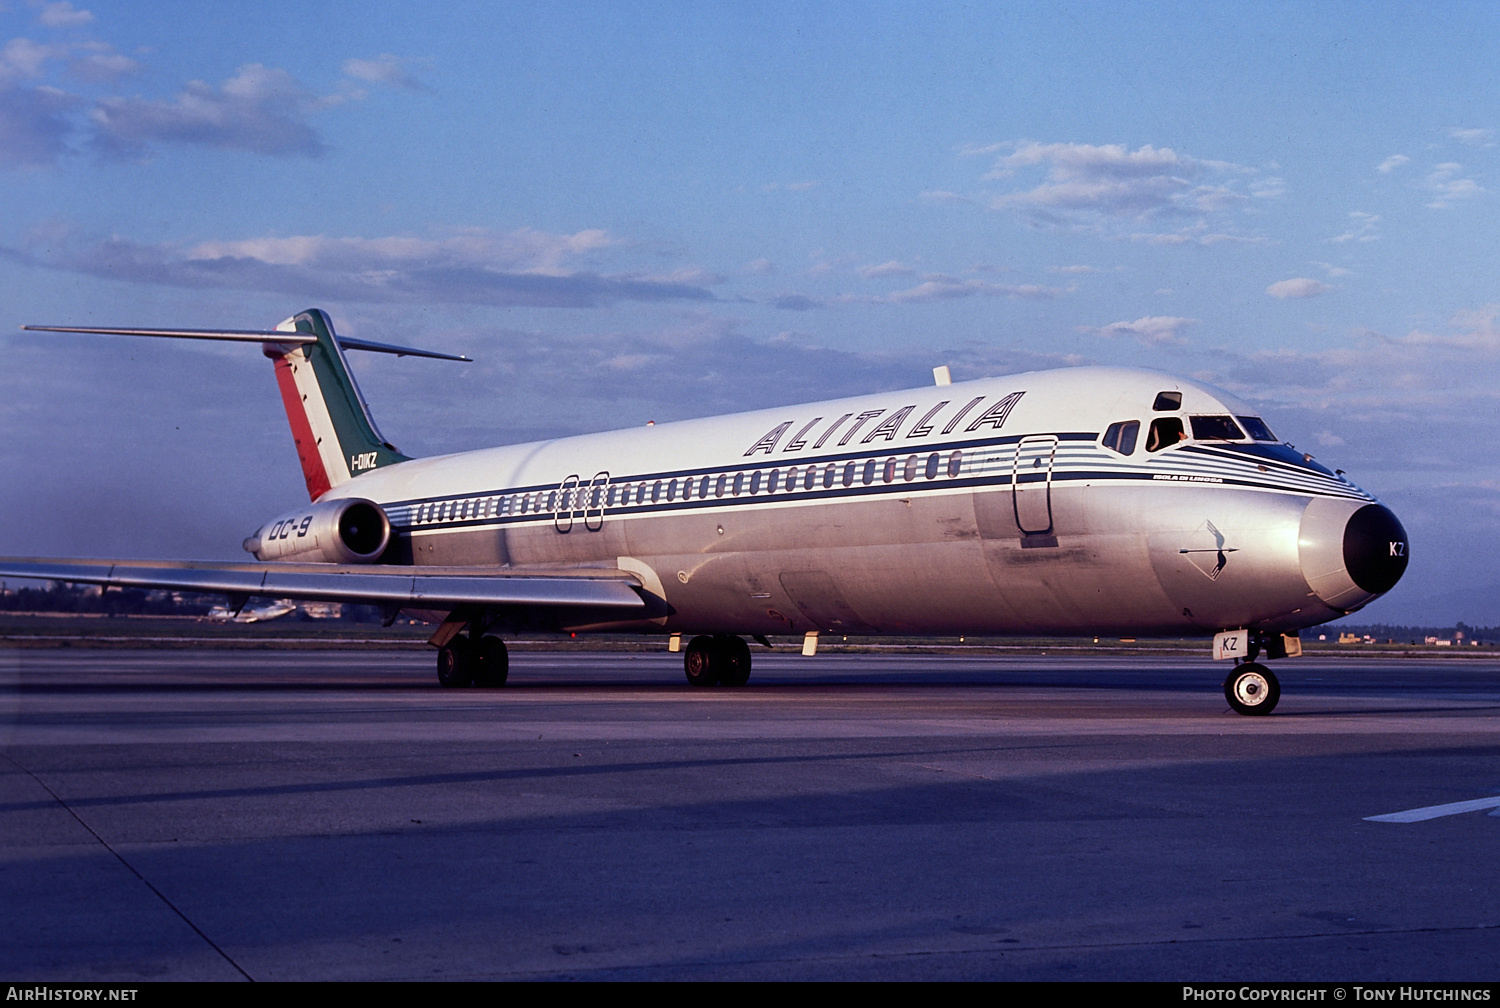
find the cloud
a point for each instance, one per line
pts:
(885, 269)
(1153, 330)
(1363, 230)
(1332, 270)
(34, 127)
(1299, 287)
(1391, 163)
(103, 64)
(796, 302)
(1071, 269)
(760, 267)
(23, 58)
(1471, 330)
(1448, 185)
(62, 15)
(523, 267)
(938, 287)
(261, 109)
(1474, 137)
(383, 69)
(1091, 184)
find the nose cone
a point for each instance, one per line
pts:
(1350, 552)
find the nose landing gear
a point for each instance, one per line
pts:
(1252, 689)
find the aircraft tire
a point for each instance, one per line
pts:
(491, 662)
(455, 663)
(1252, 689)
(701, 661)
(734, 660)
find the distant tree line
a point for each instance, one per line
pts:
(1409, 634)
(65, 598)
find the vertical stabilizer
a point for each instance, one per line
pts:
(336, 439)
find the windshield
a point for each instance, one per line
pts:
(1216, 428)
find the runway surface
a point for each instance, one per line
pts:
(313, 815)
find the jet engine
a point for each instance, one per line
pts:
(349, 531)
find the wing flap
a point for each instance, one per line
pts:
(373, 584)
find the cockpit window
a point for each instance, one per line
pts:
(1121, 436)
(1257, 428)
(1216, 428)
(1165, 432)
(1167, 401)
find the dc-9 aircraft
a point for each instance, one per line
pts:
(1082, 501)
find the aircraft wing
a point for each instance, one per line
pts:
(371, 584)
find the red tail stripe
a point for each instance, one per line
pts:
(302, 433)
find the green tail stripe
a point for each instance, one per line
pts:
(361, 444)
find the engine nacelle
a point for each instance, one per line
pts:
(349, 531)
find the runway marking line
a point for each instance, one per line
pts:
(1438, 811)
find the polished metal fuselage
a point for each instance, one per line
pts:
(1025, 525)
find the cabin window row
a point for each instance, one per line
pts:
(591, 496)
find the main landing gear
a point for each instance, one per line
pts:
(720, 660)
(1252, 689)
(461, 662)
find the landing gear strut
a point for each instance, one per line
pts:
(1252, 689)
(720, 660)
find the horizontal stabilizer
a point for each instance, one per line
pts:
(371, 584)
(233, 335)
(289, 338)
(348, 343)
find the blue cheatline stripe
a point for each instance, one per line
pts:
(942, 484)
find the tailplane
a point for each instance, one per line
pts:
(336, 439)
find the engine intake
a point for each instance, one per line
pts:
(349, 531)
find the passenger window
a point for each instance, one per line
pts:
(911, 469)
(703, 487)
(773, 482)
(719, 487)
(1166, 402)
(1256, 428)
(848, 474)
(1121, 436)
(932, 466)
(656, 491)
(869, 476)
(1165, 432)
(828, 475)
(890, 470)
(812, 477)
(1216, 428)
(955, 463)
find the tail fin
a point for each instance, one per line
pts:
(336, 439)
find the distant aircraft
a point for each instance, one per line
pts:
(1082, 501)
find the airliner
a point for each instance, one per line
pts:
(1081, 501)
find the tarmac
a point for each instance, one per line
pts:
(278, 815)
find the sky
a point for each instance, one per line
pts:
(661, 211)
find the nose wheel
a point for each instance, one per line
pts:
(1252, 689)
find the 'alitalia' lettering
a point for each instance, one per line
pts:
(767, 444)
